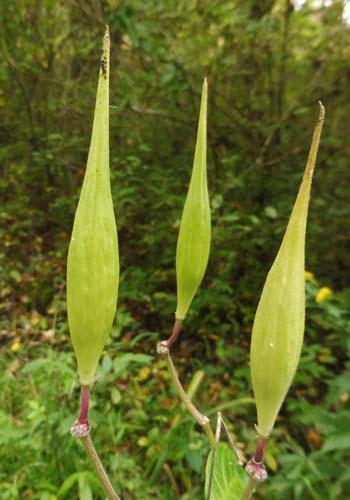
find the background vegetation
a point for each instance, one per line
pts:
(268, 63)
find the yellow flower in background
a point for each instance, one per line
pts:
(323, 293)
(15, 346)
(309, 275)
(144, 373)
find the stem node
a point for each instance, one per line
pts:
(256, 470)
(80, 429)
(162, 348)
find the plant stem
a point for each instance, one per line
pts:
(260, 449)
(176, 330)
(249, 489)
(203, 420)
(84, 404)
(191, 391)
(81, 429)
(100, 471)
(230, 440)
(256, 469)
(209, 432)
(81, 426)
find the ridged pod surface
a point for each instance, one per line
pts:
(279, 321)
(193, 244)
(93, 259)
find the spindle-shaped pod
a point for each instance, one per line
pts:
(193, 242)
(93, 259)
(279, 321)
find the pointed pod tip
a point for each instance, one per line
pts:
(106, 39)
(106, 31)
(310, 165)
(104, 63)
(205, 84)
(322, 111)
(205, 90)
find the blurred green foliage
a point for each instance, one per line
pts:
(267, 66)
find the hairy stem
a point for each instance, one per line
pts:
(100, 471)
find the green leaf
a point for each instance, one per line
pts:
(85, 492)
(122, 362)
(9, 433)
(115, 395)
(85, 480)
(68, 484)
(229, 478)
(35, 366)
(270, 212)
(338, 441)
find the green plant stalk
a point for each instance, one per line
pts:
(191, 391)
(202, 420)
(249, 489)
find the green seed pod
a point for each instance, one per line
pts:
(193, 243)
(279, 321)
(93, 259)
